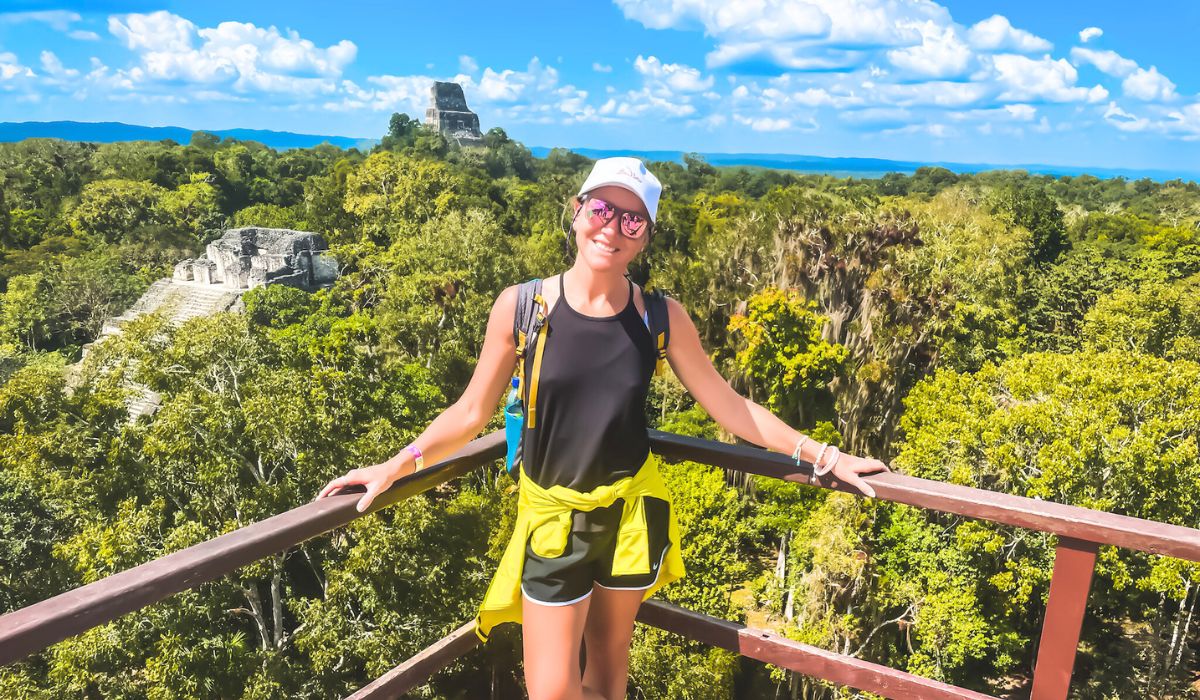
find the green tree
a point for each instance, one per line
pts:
(976, 265)
(438, 292)
(784, 356)
(402, 132)
(1155, 319)
(1114, 431)
(1037, 211)
(194, 208)
(395, 194)
(111, 210)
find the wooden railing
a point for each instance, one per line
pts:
(1080, 532)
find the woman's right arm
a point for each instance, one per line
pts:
(459, 423)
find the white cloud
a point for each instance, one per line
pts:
(1007, 113)
(675, 76)
(84, 35)
(54, 67)
(1185, 121)
(601, 68)
(784, 55)
(891, 55)
(1021, 112)
(11, 68)
(1089, 33)
(466, 64)
(59, 20)
(1026, 79)
(637, 103)
(255, 49)
(157, 31)
(996, 34)
(1138, 83)
(929, 94)
(101, 76)
(668, 91)
(769, 19)
(237, 55)
(408, 94)
(791, 92)
(763, 123)
(1149, 86)
(934, 129)
(511, 86)
(1109, 62)
(812, 35)
(1124, 120)
(941, 54)
(813, 97)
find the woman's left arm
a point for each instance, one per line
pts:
(741, 416)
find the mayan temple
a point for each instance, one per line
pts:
(241, 259)
(448, 114)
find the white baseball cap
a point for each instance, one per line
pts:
(629, 173)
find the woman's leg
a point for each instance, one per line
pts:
(607, 635)
(551, 636)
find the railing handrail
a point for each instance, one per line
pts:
(1030, 513)
(30, 629)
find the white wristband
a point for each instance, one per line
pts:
(822, 470)
(796, 452)
(817, 461)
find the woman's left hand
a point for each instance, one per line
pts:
(850, 470)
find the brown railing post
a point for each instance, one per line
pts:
(417, 670)
(811, 661)
(1074, 562)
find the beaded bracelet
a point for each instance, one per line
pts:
(417, 456)
(817, 461)
(796, 452)
(828, 467)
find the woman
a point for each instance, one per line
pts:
(596, 534)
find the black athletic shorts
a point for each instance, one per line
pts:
(588, 556)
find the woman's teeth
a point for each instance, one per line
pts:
(603, 247)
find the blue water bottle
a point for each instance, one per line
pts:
(514, 420)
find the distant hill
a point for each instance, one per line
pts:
(874, 167)
(110, 132)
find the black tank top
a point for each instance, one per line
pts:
(591, 413)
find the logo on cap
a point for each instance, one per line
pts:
(626, 170)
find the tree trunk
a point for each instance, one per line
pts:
(256, 611)
(277, 600)
(1187, 624)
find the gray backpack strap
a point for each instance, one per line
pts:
(659, 324)
(526, 314)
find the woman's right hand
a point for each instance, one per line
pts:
(376, 478)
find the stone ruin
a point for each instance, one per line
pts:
(448, 114)
(241, 259)
(245, 258)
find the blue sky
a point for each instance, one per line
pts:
(1063, 82)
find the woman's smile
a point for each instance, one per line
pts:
(604, 247)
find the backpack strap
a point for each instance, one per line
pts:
(660, 324)
(524, 317)
(527, 325)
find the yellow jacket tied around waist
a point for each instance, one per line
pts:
(544, 521)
